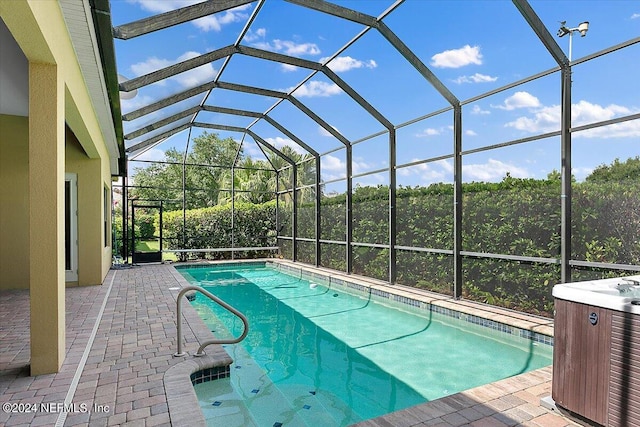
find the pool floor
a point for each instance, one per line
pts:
(318, 355)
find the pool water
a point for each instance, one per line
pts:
(318, 356)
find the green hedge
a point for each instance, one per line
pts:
(254, 226)
(514, 217)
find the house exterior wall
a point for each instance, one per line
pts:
(34, 152)
(94, 254)
(14, 202)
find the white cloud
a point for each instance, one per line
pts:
(322, 131)
(332, 168)
(280, 142)
(196, 76)
(254, 36)
(264, 45)
(585, 112)
(150, 65)
(331, 163)
(359, 165)
(547, 119)
(457, 58)
(161, 6)
(426, 171)
(252, 150)
(346, 63)
(438, 171)
(139, 101)
(446, 165)
(287, 47)
(215, 22)
(295, 49)
(288, 68)
(191, 78)
(429, 132)
(316, 88)
(476, 78)
(619, 130)
(519, 100)
(581, 173)
(478, 110)
(635, 16)
(207, 23)
(153, 155)
(470, 132)
(492, 170)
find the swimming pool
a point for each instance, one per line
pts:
(316, 355)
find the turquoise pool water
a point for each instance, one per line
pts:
(318, 356)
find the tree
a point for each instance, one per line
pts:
(617, 171)
(306, 170)
(160, 181)
(163, 181)
(253, 182)
(209, 149)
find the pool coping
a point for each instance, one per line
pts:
(179, 379)
(178, 384)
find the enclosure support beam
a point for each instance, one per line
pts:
(161, 123)
(565, 198)
(165, 102)
(349, 209)
(392, 207)
(233, 209)
(233, 195)
(294, 221)
(277, 207)
(565, 132)
(318, 210)
(184, 192)
(541, 31)
(174, 17)
(457, 202)
(184, 202)
(133, 233)
(125, 216)
(156, 139)
(180, 67)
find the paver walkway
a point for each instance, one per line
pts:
(121, 375)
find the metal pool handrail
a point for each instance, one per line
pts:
(218, 301)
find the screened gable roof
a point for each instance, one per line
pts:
(317, 75)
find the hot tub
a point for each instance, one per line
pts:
(596, 358)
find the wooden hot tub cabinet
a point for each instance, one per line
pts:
(596, 367)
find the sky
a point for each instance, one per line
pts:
(472, 47)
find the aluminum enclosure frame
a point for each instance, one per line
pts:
(564, 67)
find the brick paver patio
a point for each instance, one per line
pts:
(121, 375)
